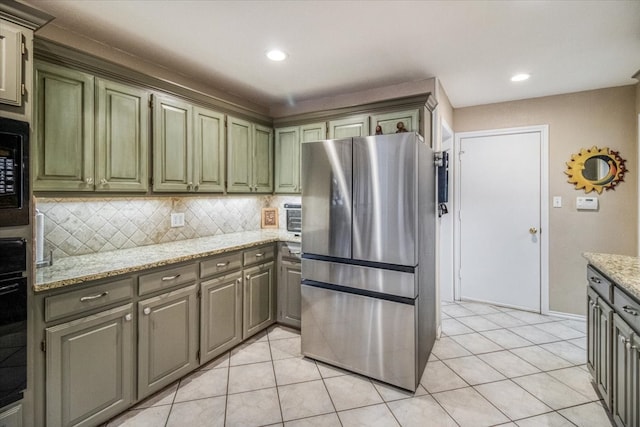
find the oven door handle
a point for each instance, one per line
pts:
(4, 290)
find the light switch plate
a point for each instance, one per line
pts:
(177, 219)
(587, 203)
(557, 201)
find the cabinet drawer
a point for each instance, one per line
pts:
(83, 300)
(290, 250)
(221, 264)
(601, 284)
(627, 308)
(168, 278)
(258, 255)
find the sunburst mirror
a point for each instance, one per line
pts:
(596, 169)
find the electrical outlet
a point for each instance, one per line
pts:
(177, 219)
(557, 201)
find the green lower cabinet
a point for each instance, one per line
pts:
(289, 297)
(592, 331)
(603, 348)
(167, 339)
(635, 379)
(624, 380)
(90, 368)
(221, 315)
(259, 300)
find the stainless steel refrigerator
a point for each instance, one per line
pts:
(368, 264)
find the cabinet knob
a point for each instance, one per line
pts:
(239, 281)
(89, 181)
(197, 186)
(623, 340)
(248, 277)
(628, 345)
(595, 279)
(103, 181)
(146, 310)
(128, 317)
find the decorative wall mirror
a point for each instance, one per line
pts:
(596, 169)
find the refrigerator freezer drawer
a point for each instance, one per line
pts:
(370, 336)
(399, 283)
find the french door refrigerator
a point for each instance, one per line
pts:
(368, 263)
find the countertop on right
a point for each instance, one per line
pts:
(624, 270)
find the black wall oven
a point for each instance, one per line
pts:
(14, 172)
(13, 320)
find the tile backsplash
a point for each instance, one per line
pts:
(77, 226)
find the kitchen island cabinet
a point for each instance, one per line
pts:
(613, 323)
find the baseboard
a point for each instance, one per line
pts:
(569, 316)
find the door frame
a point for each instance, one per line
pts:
(544, 204)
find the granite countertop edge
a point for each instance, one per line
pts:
(85, 268)
(624, 270)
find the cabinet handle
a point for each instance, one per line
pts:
(103, 181)
(632, 311)
(92, 297)
(89, 181)
(259, 255)
(146, 310)
(222, 264)
(294, 252)
(128, 317)
(168, 278)
(628, 346)
(595, 279)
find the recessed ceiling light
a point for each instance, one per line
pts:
(520, 77)
(276, 55)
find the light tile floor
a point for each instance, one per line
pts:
(492, 366)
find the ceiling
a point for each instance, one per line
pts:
(334, 47)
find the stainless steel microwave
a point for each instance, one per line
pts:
(14, 172)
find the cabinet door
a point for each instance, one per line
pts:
(603, 358)
(262, 159)
(622, 361)
(349, 127)
(221, 315)
(289, 282)
(635, 380)
(288, 160)
(122, 137)
(10, 64)
(90, 368)
(259, 304)
(313, 132)
(208, 153)
(389, 121)
(172, 145)
(239, 156)
(64, 129)
(592, 331)
(12, 417)
(167, 339)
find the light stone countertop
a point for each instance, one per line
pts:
(84, 268)
(622, 269)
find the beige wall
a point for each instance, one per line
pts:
(604, 117)
(445, 110)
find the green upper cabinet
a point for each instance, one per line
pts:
(91, 134)
(63, 118)
(122, 137)
(249, 157)
(349, 127)
(389, 121)
(188, 147)
(208, 152)
(11, 64)
(288, 142)
(172, 144)
(287, 160)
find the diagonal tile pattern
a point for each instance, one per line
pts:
(527, 370)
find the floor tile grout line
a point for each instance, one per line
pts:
(275, 378)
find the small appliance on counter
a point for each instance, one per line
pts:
(294, 217)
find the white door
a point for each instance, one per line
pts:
(500, 195)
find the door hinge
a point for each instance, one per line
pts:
(460, 274)
(150, 100)
(23, 88)
(43, 346)
(199, 293)
(198, 355)
(23, 47)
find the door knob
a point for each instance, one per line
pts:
(533, 230)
